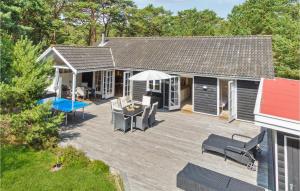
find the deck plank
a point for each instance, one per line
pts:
(151, 159)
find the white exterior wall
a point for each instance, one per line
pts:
(67, 79)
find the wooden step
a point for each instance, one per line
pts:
(224, 115)
(187, 108)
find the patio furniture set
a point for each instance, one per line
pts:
(85, 92)
(196, 178)
(82, 91)
(129, 114)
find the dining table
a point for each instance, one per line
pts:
(133, 110)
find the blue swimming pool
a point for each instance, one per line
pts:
(64, 105)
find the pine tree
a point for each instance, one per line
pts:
(21, 117)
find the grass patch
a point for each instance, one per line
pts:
(26, 169)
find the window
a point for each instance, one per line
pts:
(154, 86)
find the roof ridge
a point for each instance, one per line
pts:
(192, 37)
(77, 46)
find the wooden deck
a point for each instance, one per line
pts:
(150, 160)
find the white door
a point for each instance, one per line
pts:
(126, 83)
(108, 84)
(174, 93)
(232, 100)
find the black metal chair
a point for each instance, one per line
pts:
(242, 152)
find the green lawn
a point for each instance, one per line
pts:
(26, 169)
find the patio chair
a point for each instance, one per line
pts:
(121, 122)
(81, 92)
(152, 114)
(196, 178)
(141, 122)
(146, 100)
(242, 152)
(115, 106)
(124, 101)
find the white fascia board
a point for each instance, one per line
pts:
(112, 57)
(258, 97)
(64, 60)
(61, 67)
(288, 126)
(44, 54)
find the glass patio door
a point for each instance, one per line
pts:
(98, 82)
(127, 83)
(232, 100)
(174, 93)
(108, 84)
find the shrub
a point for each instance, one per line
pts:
(99, 167)
(35, 127)
(74, 158)
(22, 120)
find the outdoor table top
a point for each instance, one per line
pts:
(137, 109)
(64, 105)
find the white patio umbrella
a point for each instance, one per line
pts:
(150, 75)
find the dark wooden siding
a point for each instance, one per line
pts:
(138, 89)
(281, 161)
(280, 155)
(205, 100)
(246, 98)
(271, 159)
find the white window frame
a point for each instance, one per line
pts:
(286, 158)
(174, 107)
(127, 86)
(154, 83)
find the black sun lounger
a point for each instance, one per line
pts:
(196, 178)
(242, 152)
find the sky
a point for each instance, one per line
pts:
(221, 7)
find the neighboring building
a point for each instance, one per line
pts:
(278, 108)
(215, 75)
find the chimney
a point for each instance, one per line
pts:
(102, 40)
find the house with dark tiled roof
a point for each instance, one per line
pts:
(213, 75)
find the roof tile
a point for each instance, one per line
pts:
(248, 57)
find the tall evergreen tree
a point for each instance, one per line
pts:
(21, 117)
(279, 18)
(192, 22)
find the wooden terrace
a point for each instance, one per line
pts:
(150, 160)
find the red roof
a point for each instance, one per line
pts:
(281, 98)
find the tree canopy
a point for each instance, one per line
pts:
(83, 21)
(24, 82)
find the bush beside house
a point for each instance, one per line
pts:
(29, 133)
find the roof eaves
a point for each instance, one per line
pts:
(45, 53)
(195, 74)
(112, 57)
(64, 60)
